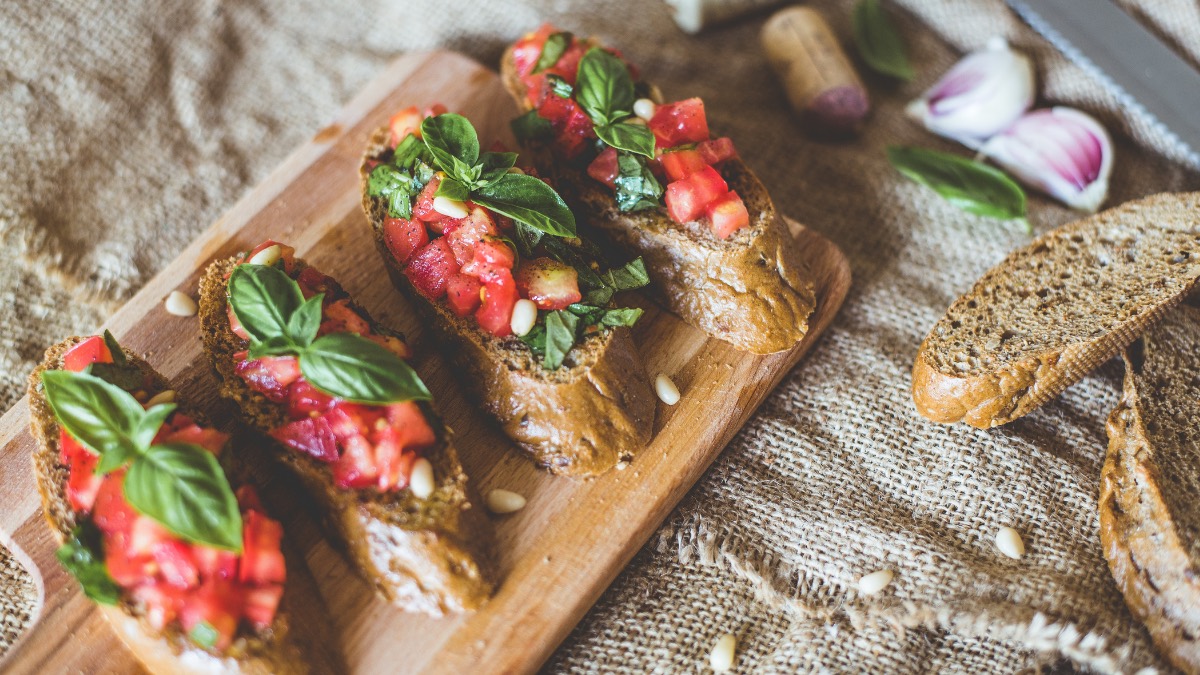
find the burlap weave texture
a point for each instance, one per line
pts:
(127, 128)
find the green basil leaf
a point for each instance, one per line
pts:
(589, 315)
(603, 87)
(410, 151)
(878, 41)
(114, 348)
(422, 174)
(559, 87)
(552, 51)
(182, 487)
(304, 323)
(622, 316)
(528, 237)
(635, 138)
(528, 200)
(536, 339)
(572, 255)
(637, 188)
(971, 186)
(280, 345)
(356, 369)
(452, 189)
(153, 420)
(495, 165)
(263, 299)
(400, 202)
(384, 179)
(126, 376)
(102, 417)
(560, 337)
(204, 634)
(627, 277)
(82, 555)
(531, 127)
(451, 137)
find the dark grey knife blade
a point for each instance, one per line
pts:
(1104, 40)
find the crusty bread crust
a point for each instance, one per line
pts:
(581, 420)
(275, 651)
(1138, 529)
(423, 555)
(994, 389)
(752, 290)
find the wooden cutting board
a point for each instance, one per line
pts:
(555, 557)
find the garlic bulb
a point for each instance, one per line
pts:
(980, 96)
(1060, 151)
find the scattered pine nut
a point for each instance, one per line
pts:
(167, 396)
(268, 256)
(504, 501)
(450, 207)
(1009, 542)
(524, 316)
(875, 582)
(180, 304)
(420, 481)
(665, 388)
(723, 654)
(644, 108)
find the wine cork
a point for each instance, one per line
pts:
(820, 81)
(694, 15)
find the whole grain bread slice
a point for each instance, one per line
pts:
(287, 646)
(422, 555)
(583, 419)
(1150, 486)
(752, 290)
(1054, 310)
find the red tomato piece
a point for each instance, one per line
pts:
(412, 425)
(247, 498)
(213, 562)
(392, 344)
(500, 294)
(341, 318)
(270, 375)
(262, 560)
(462, 294)
(92, 350)
(728, 215)
(395, 465)
(235, 325)
(686, 199)
(717, 150)
(312, 282)
(286, 253)
(305, 400)
(82, 482)
(313, 437)
(175, 563)
(111, 512)
(679, 123)
(216, 603)
(477, 225)
(404, 238)
(145, 535)
(423, 204)
(435, 110)
(548, 283)
(356, 467)
(160, 602)
(261, 603)
(431, 267)
(680, 164)
(604, 167)
(573, 131)
(126, 569)
(405, 122)
(209, 439)
(492, 254)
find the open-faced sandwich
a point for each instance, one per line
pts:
(649, 175)
(187, 567)
(352, 420)
(526, 308)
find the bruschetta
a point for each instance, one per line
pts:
(527, 312)
(186, 566)
(309, 368)
(651, 178)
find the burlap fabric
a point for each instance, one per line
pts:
(127, 128)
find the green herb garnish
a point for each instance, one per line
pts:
(637, 188)
(556, 44)
(204, 634)
(83, 556)
(878, 41)
(559, 87)
(531, 127)
(971, 186)
(605, 91)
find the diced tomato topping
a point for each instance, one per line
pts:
(680, 164)
(604, 167)
(247, 498)
(431, 267)
(82, 482)
(209, 439)
(160, 602)
(716, 150)
(111, 512)
(573, 129)
(145, 535)
(262, 559)
(215, 603)
(313, 437)
(462, 239)
(393, 344)
(235, 325)
(261, 603)
(341, 318)
(423, 204)
(270, 375)
(84, 354)
(407, 418)
(305, 400)
(686, 199)
(499, 296)
(394, 464)
(548, 283)
(175, 563)
(491, 254)
(125, 568)
(435, 110)
(356, 468)
(404, 238)
(286, 253)
(312, 282)
(214, 562)
(679, 123)
(462, 294)
(405, 122)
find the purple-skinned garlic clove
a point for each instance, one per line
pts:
(979, 97)
(1060, 151)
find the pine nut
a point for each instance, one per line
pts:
(1009, 542)
(268, 256)
(504, 501)
(420, 481)
(665, 388)
(524, 315)
(644, 108)
(723, 654)
(875, 582)
(516, 169)
(167, 396)
(180, 304)
(450, 207)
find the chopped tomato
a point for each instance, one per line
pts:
(686, 199)
(305, 400)
(573, 129)
(462, 294)
(604, 167)
(394, 463)
(477, 225)
(431, 267)
(405, 122)
(341, 318)
(356, 467)
(261, 603)
(404, 238)
(262, 559)
(209, 439)
(435, 110)
(728, 215)
(548, 283)
(680, 164)
(270, 375)
(175, 563)
(215, 603)
(499, 296)
(145, 535)
(491, 254)
(312, 282)
(286, 253)
(313, 437)
(716, 150)
(159, 602)
(214, 562)
(411, 423)
(247, 498)
(126, 568)
(423, 204)
(235, 325)
(84, 354)
(83, 484)
(393, 344)
(111, 512)
(679, 123)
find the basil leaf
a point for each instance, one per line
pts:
(624, 316)
(356, 369)
(570, 255)
(452, 189)
(878, 41)
(559, 87)
(971, 186)
(627, 277)
(536, 339)
(552, 51)
(560, 337)
(280, 345)
(635, 138)
(204, 634)
(181, 486)
(102, 417)
(303, 324)
(83, 557)
(528, 238)
(531, 126)
(263, 299)
(400, 203)
(451, 137)
(125, 376)
(528, 200)
(384, 179)
(637, 188)
(114, 348)
(603, 87)
(589, 315)
(410, 151)
(495, 165)
(151, 422)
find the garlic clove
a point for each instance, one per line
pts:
(1060, 151)
(980, 96)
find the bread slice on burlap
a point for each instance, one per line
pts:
(1054, 310)
(285, 647)
(752, 290)
(422, 555)
(1150, 486)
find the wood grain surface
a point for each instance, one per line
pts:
(555, 557)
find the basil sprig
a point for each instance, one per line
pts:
(83, 557)
(273, 312)
(605, 91)
(531, 127)
(559, 87)
(179, 485)
(971, 186)
(552, 50)
(878, 41)
(403, 178)
(637, 188)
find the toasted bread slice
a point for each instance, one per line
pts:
(1149, 510)
(752, 290)
(422, 555)
(580, 420)
(280, 649)
(1052, 311)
